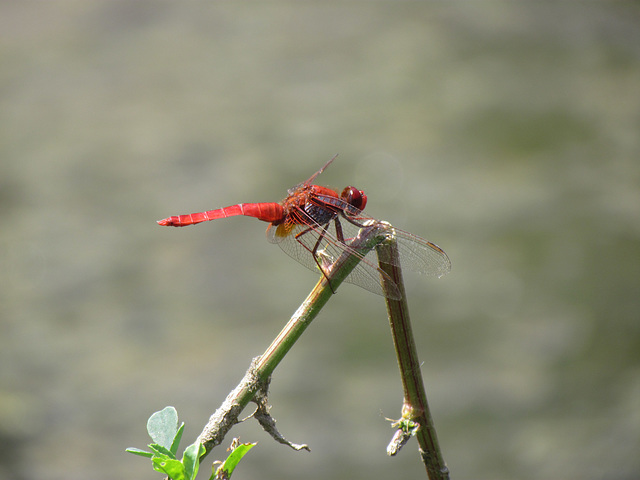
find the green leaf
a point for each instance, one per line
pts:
(176, 440)
(142, 453)
(232, 460)
(161, 451)
(173, 468)
(226, 469)
(191, 459)
(163, 426)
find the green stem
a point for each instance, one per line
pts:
(415, 409)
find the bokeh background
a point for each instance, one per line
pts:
(506, 132)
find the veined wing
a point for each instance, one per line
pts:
(415, 253)
(301, 240)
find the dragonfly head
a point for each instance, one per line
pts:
(354, 197)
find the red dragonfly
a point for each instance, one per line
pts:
(315, 225)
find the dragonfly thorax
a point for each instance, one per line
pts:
(318, 214)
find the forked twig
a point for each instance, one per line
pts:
(256, 379)
(416, 418)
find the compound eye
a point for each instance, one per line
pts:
(354, 197)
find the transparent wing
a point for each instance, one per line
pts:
(300, 241)
(415, 253)
(420, 255)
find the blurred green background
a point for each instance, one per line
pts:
(506, 132)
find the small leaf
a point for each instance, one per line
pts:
(161, 451)
(163, 426)
(173, 468)
(232, 460)
(229, 465)
(176, 440)
(142, 453)
(191, 459)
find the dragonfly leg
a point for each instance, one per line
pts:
(314, 251)
(352, 221)
(339, 233)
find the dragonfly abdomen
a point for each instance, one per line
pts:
(267, 212)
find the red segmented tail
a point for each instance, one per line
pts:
(267, 212)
